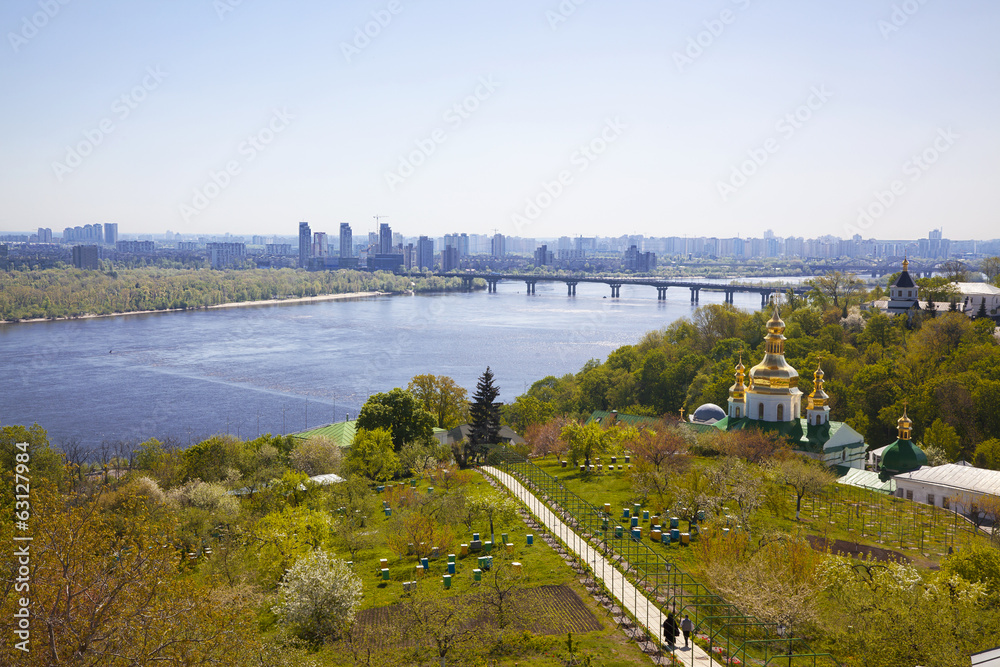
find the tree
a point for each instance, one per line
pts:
(987, 454)
(990, 268)
(372, 455)
(544, 438)
(977, 563)
(805, 477)
(493, 506)
(739, 483)
(525, 412)
(399, 412)
(662, 445)
(585, 440)
(447, 624)
(880, 613)
(316, 456)
(955, 271)
(837, 286)
(485, 414)
(318, 596)
(441, 397)
(944, 437)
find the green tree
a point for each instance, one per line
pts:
(441, 397)
(399, 412)
(525, 411)
(485, 414)
(493, 506)
(987, 454)
(945, 438)
(372, 455)
(835, 285)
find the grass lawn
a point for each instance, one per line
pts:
(541, 566)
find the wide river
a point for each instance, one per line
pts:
(283, 368)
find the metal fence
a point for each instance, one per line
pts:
(729, 635)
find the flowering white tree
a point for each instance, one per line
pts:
(319, 595)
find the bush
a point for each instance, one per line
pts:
(316, 456)
(319, 596)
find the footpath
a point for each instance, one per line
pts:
(639, 606)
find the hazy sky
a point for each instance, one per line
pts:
(539, 119)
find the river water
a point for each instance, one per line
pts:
(284, 368)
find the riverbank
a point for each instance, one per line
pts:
(233, 304)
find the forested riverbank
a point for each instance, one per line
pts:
(66, 293)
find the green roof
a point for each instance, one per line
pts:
(902, 456)
(602, 417)
(341, 433)
(803, 435)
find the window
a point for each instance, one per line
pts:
(737, 413)
(946, 503)
(899, 493)
(781, 413)
(930, 498)
(909, 292)
(909, 494)
(760, 411)
(843, 455)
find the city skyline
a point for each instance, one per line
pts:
(561, 119)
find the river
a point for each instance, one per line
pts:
(283, 368)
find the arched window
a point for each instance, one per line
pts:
(781, 413)
(737, 413)
(760, 411)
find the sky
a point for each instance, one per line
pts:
(535, 119)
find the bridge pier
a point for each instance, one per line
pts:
(616, 290)
(531, 286)
(695, 293)
(661, 293)
(467, 284)
(570, 288)
(491, 286)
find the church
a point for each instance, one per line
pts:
(773, 402)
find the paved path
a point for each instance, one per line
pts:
(642, 608)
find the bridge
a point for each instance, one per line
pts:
(615, 283)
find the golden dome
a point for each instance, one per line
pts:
(773, 375)
(818, 397)
(738, 390)
(904, 425)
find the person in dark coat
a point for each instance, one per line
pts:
(670, 630)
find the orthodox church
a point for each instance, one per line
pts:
(773, 402)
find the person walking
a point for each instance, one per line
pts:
(670, 631)
(686, 627)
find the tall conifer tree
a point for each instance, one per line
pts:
(485, 414)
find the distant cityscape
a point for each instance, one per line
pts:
(88, 245)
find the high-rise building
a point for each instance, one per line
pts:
(225, 255)
(449, 258)
(110, 233)
(543, 256)
(346, 240)
(384, 239)
(44, 235)
(499, 246)
(321, 247)
(305, 245)
(85, 257)
(425, 252)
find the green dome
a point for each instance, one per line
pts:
(902, 456)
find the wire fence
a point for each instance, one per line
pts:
(726, 633)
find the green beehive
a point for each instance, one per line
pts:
(477, 574)
(447, 581)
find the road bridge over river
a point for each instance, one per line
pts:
(615, 283)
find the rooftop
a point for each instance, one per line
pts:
(955, 476)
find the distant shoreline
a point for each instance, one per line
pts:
(233, 304)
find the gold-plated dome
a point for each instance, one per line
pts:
(904, 425)
(738, 390)
(818, 397)
(774, 375)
